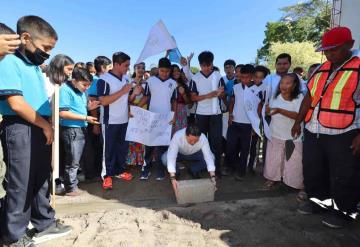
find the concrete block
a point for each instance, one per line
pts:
(195, 191)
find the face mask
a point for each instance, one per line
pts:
(37, 57)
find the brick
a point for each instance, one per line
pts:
(195, 191)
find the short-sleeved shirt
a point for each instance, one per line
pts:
(201, 85)
(161, 93)
(75, 101)
(18, 76)
(117, 112)
(92, 91)
(229, 84)
(239, 111)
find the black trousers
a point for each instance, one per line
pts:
(238, 141)
(28, 161)
(211, 126)
(331, 170)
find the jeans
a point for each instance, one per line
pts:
(74, 142)
(197, 161)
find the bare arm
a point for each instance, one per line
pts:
(108, 99)
(144, 100)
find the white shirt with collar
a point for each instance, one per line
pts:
(239, 111)
(179, 144)
(271, 83)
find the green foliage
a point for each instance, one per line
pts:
(194, 70)
(302, 54)
(301, 22)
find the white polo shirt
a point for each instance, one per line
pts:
(117, 111)
(161, 94)
(179, 144)
(271, 83)
(201, 85)
(239, 111)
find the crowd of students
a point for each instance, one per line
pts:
(210, 110)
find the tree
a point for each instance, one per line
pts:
(302, 54)
(301, 22)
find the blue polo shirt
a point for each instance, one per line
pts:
(92, 91)
(75, 101)
(18, 76)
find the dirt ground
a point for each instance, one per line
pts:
(140, 213)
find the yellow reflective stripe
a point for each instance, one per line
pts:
(336, 97)
(316, 80)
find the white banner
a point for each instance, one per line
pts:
(159, 40)
(252, 100)
(149, 128)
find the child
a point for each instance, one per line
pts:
(26, 135)
(183, 99)
(137, 150)
(74, 119)
(239, 131)
(207, 91)
(259, 90)
(284, 154)
(161, 97)
(113, 90)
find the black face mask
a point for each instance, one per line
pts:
(37, 57)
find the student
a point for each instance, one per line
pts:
(9, 41)
(80, 65)
(183, 99)
(229, 78)
(189, 144)
(73, 113)
(93, 151)
(284, 162)
(26, 135)
(113, 90)
(258, 88)
(160, 95)
(282, 66)
(91, 68)
(137, 150)
(208, 92)
(239, 131)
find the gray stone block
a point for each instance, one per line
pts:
(195, 191)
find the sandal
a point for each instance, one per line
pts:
(269, 185)
(125, 176)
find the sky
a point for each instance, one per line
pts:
(88, 28)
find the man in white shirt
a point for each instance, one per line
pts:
(191, 145)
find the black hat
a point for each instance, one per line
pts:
(164, 63)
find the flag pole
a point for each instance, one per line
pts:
(55, 146)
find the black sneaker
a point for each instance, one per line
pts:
(239, 177)
(25, 241)
(336, 220)
(56, 230)
(308, 207)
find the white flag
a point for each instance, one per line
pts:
(159, 40)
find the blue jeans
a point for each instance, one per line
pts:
(197, 161)
(74, 142)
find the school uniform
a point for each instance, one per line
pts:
(239, 132)
(26, 154)
(73, 132)
(161, 93)
(114, 119)
(208, 111)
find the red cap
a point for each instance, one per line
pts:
(335, 37)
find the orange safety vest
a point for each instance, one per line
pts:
(337, 106)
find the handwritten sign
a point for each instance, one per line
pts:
(149, 128)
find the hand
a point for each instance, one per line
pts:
(127, 88)
(356, 145)
(181, 90)
(174, 184)
(173, 121)
(231, 119)
(213, 179)
(296, 130)
(9, 43)
(220, 90)
(49, 134)
(183, 61)
(190, 57)
(212, 94)
(92, 120)
(93, 104)
(137, 90)
(96, 129)
(274, 111)
(267, 110)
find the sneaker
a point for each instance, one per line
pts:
(74, 193)
(56, 230)
(160, 175)
(107, 183)
(336, 220)
(308, 207)
(145, 175)
(25, 241)
(127, 176)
